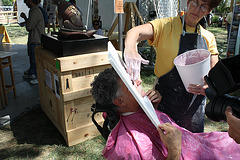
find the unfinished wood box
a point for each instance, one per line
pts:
(64, 86)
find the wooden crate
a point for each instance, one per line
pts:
(64, 86)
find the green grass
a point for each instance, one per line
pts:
(90, 149)
(17, 34)
(221, 39)
(33, 136)
(15, 31)
(148, 78)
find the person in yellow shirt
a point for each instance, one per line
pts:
(173, 36)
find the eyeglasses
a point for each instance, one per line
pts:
(204, 8)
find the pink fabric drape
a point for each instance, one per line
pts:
(135, 137)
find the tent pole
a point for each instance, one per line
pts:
(120, 32)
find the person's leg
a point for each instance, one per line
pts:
(32, 60)
(33, 69)
(30, 74)
(228, 30)
(26, 72)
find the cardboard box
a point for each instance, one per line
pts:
(64, 86)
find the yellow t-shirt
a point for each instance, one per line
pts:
(167, 32)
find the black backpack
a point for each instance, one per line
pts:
(110, 121)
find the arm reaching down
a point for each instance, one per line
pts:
(132, 58)
(172, 139)
(234, 125)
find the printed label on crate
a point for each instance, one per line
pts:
(57, 85)
(48, 78)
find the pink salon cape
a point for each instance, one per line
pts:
(135, 137)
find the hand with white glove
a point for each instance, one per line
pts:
(133, 62)
(132, 58)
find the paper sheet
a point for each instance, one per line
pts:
(144, 102)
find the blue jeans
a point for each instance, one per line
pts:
(33, 68)
(228, 30)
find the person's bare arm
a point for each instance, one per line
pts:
(132, 58)
(172, 139)
(138, 33)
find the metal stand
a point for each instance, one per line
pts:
(130, 9)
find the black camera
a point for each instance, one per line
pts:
(222, 79)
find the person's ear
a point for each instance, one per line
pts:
(120, 102)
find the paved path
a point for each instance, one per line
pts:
(27, 95)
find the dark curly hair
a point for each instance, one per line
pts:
(105, 87)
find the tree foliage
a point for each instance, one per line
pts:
(223, 7)
(7, 2)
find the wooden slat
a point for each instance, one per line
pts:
(138, 13)
(84, 92)
(132, 14)
(82, 134)
(113, 27)
(127, 11)
(83, 61)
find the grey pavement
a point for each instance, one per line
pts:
(27, 94)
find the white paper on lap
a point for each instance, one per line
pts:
(119, 66)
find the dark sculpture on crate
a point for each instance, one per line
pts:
(70, 21)
(69, 16)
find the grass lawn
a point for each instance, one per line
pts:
(33, 136)
(17, 34)
(221, 38)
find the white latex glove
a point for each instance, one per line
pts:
(133, 63)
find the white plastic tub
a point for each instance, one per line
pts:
(192, 66)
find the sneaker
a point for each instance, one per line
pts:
(32, 76)
(4, 120)
(33, 81)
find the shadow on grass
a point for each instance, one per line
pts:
(33, 136)
(34, 127)
(27, 135)
(18, 153)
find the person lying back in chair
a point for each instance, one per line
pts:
(135, 137)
